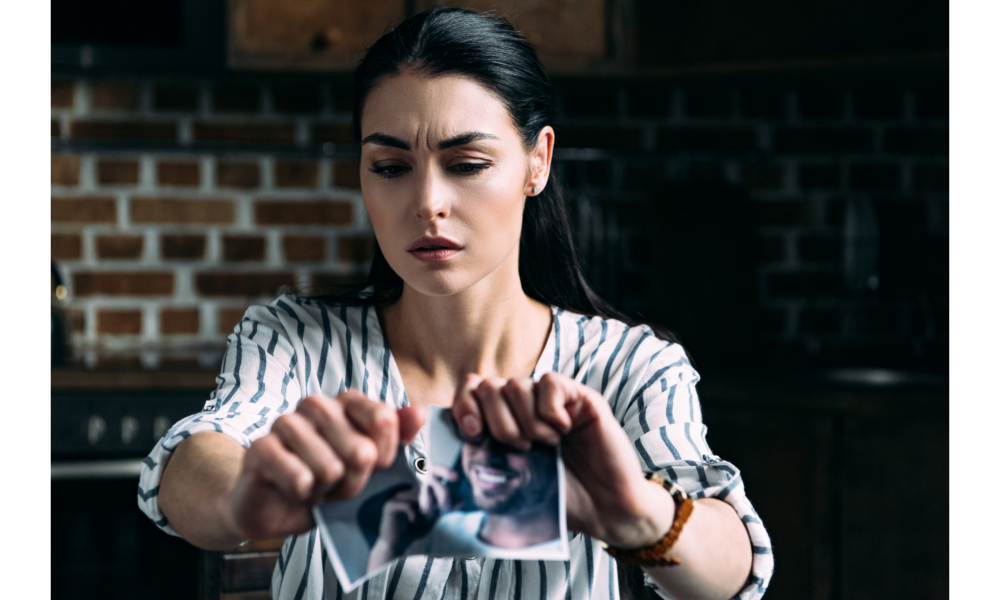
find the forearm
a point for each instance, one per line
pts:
(196, 490)
(715, 552)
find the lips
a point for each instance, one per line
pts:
(491, 479)
(434, 249)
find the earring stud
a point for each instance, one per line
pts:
(534, 190)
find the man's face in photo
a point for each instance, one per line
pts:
(506, 480)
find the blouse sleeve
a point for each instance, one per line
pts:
(662, 417)
(258, 382)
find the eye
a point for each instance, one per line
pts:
(389, 171)
(470, 168)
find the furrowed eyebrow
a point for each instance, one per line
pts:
(382, 139)
(466, 138)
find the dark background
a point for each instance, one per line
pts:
(768, 180)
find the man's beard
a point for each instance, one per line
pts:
(529, 497)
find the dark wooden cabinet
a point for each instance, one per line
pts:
(851, 483)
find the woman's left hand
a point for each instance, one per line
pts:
(607, 496)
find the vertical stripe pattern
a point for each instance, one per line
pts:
(292, 348)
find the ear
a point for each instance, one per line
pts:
(540, 161)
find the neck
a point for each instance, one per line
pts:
(518, 531)
(492, 328)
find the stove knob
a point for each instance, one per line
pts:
(130, 429)
(95, 429)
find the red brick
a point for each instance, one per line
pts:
(783, 212)
(296, 173)
(249, 133)
(930, 178)
(916, 141)
(803, 285)
(76, 320)
(355, 248)
(821, 103)
(815, 140)
(771, 249)
(346, 174)
(878, 103)
(301, 212)
(650, 99)
(236, 99)
(118, 172)
(296, 98)
(590, 98)
(343, 97)
(65, 169)
(325, 283)
(66, 246)
(119, 363)
(56, 128)
(119, 322)
(617, 138)
(763, 177)
(242, 284)
(773, 320)
(243, 247)
(764, 103)
(123, 283)
(180, 173)
(62, 93)
(708, 138)
(708, 102)
(875, 176)
(123, 130)
(228, 319)
(84, 209)
(119, 246)
(175, 97)
(182, 247)
(182, 210)
(338, 134)
(114, 95)
(820, 248)
(819, 176)
(304, 248)
(708, 171)
(819, 321)
(237, 174)
(179, 321)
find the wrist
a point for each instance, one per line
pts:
(657, 518)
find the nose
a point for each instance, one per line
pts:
(432, 195)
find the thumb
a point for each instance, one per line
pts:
(411, 419)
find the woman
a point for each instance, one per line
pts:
(476, 290)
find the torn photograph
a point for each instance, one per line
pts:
(478, 497)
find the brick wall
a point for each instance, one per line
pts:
(176, 203)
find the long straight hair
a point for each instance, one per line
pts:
(488, 50)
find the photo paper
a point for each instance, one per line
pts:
(478, 498)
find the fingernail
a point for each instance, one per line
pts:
(470, 424)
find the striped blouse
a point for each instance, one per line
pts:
(296, 347)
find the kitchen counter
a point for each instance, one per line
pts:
(80, 379)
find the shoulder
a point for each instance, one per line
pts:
(615, 358)
(289, 310)
(613, 338)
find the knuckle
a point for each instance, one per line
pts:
(283, 425)
(362, 454)
(385, 418)
(330, 472)
(505, 434)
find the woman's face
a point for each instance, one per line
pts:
(444, 176)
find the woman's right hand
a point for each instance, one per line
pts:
(325, 450)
